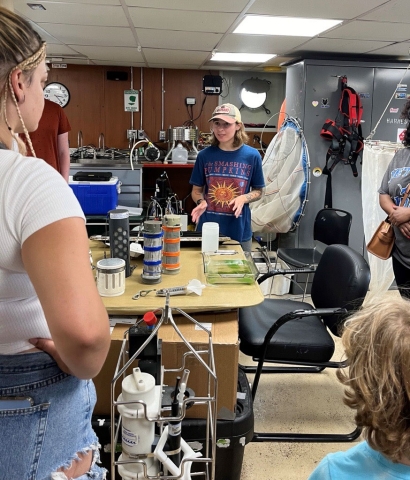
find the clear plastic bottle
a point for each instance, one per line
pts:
(179, 154)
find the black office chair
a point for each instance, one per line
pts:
(295, 333)
(332, 226)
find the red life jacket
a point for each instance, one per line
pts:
(345, 134)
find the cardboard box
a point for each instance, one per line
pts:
(224, 329)
(103, 380)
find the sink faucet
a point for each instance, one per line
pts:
(101, 141)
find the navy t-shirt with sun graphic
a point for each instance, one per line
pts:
(225, 176)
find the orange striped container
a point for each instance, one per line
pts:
(171, 249)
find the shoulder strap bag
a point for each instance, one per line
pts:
(382, 241)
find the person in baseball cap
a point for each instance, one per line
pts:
(227, 112)
(227, 177)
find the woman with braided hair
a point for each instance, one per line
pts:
(393, 187)
(54, 330)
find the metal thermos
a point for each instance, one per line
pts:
(119, 228)
(151, 269)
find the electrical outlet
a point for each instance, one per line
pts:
(161, 135)
(141, 135)
(132, 134)
(190, 101)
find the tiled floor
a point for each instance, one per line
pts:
(300, 403)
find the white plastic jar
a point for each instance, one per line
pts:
(179, 154)
(111, 277)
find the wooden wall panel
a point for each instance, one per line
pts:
(116, 120)
(85, 112)
(97, 104)
(180, 84)
(152, 102)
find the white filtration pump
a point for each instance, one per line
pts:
(138, 431)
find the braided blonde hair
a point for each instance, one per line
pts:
(20, 48)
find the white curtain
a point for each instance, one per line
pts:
(376, 158)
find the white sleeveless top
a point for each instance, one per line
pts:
(32, 195)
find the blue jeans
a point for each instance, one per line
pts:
(36, 441)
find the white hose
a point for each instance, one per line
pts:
(132, 150)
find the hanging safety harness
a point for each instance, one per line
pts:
(345, 134)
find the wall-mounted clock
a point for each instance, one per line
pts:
(58, 93)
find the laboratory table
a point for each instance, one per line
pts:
(214, 297)
(217, 307)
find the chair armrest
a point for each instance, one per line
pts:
(287, 271)
(321, 312)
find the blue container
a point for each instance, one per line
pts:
(96, 198)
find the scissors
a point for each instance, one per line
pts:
(143, 293)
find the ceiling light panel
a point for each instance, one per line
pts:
(288, 26)
(348, 9)
(242, 57)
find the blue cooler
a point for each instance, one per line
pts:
(96, 198)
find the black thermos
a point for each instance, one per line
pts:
(119, 228)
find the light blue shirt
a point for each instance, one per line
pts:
(359, 463)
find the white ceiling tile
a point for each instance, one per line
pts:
(259, 43)
(198, 5)
(277, 61)
(393, 11)
(366, 30)
(18, 4)
(117, 64)
(154, 55)
(80, 61)
(397, 49)
(341, 45)
(346, 9)
(79, 35)
(45, 35)
(78, 14)
(178, 66)
(59, 50)
(120, 54)
(177, 40)
(189, 21)
(183, 33)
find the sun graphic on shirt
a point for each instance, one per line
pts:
(222, 194)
